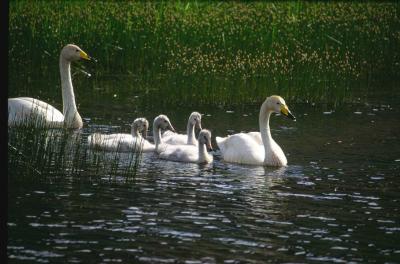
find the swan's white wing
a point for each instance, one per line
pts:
(115, 137)
(168, 133)
(115, 142)
(241, 148)
(175, 139)
(23, 110)
(181, 153)
(256, 136)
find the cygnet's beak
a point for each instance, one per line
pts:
(84, 55)
(145, 133)
(198, 125)
(170, 127)
(285, 111)
(209, 147)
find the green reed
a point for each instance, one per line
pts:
(51, 154)
(214, 52)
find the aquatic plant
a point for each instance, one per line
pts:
(50, 154)
(236, 52)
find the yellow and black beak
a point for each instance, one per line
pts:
(84, 56)
(285, 111)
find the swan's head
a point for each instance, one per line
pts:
(72, 52)
(162, 121)
(140, 125)
(205, 138)
(195, 120)
(276, 104)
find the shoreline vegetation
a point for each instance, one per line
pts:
(36, 154)
(212, 52)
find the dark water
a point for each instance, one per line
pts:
(337, 201)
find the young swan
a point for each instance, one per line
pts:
(247, 148)
(190, 153)
(27, 110)
(160, 122)
(194, 121)
(124, 142)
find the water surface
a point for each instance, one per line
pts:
(336, 201)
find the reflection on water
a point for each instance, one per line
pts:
(337, 201)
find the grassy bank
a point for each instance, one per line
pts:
(211, 51)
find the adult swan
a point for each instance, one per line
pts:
(27, 110)
(247, 148)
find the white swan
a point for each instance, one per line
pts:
(124, 142)
(246, 148)
(27, 110)
(190, 153)
(171, 138)
(160, 122)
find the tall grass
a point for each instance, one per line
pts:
(37, 154)
(215, 52)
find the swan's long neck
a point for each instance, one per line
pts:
(263, 120)
(273, 153)
(203, 154)
(157, 135)
(71, 115)
(190, 132)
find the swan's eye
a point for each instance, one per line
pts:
(278, 103)
(77, 50)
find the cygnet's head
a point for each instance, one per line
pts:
(162, 121)
(72, 52)
(195, 120)
(140, 125)
(205, 138)
(276, 104)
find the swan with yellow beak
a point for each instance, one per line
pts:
(257, 148)
(30, 111)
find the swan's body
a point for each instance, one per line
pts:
(26, 110)
(124, 142)
(256, 136)
(120, 143)
(172, 138)
(190, 153)
(246, 149)
(257, 148)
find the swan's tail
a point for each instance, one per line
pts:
(221, 143)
